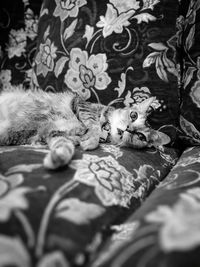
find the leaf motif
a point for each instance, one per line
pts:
(13, 252)
(70, 30)
(23, 168)
(170, 66)
(158, 46)
(189, 129)
(112, 22)
(46, 33)
(44, 11)
(188, 76)
(54, 259)
(122, 83)
(60, 65)
(190, 38)
(15, 179)
(160, 70)
(7, 150)
(128, 100)
(88, 33)
(3, 187)
(149, 4)
(77, 211)
(150, 59)
(144, 17)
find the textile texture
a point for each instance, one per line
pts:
(18, 26)
(56, 218)
(165, 230)
(189, 28)
(111, 52)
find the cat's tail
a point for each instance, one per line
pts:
(61, 152)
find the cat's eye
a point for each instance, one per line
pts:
(142, 137)
(133, 116)
(106, 127)
(119, 131)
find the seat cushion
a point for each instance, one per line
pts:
(61, 216)
(164, 231)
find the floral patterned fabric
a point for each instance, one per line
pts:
(18, 26)
(189, 29)
(57, 218)
(90, 213)
(111, 51)
(165, 230)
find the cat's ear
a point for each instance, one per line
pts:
(158, 138)
(105, 114)
(145, 104)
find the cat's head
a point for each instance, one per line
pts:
(128, 126)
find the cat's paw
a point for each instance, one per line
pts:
(58, 157)
(79, 130)
(89, 143)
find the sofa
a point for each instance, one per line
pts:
(112, 206)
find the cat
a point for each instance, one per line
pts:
(64, 120)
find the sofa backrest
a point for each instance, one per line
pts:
(189, 28)
(110, 51)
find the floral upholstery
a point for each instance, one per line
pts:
(18, 24)
(108, 51)
(98, 211)
(189, 25)
(165, 230)
(53, 218)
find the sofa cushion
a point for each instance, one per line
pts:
(189, 26)
(108, 51)
(165, 230)
(49, 217)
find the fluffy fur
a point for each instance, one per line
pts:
(64, 120)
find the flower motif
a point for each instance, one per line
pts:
(68, 8)
(115, 150)
(124, 6)
(114, 22)
(145, 176)
(11, 199)
(31, 23)
(77, 211)
(195, 93)
(17, 43)
(45, 57)
(86, 73)
(13, 252)
(125, 231)
(5, 78)
(112, 182)
(180, 223)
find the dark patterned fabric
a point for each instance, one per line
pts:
(18, 28)
(189, 28)
(57, 218)
(98, 211)
(165, 230)
(111, 51)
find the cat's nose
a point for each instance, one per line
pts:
(119, 131)
(128, 129)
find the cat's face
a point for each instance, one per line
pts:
(128, 127)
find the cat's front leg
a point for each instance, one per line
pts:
(90, 140)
